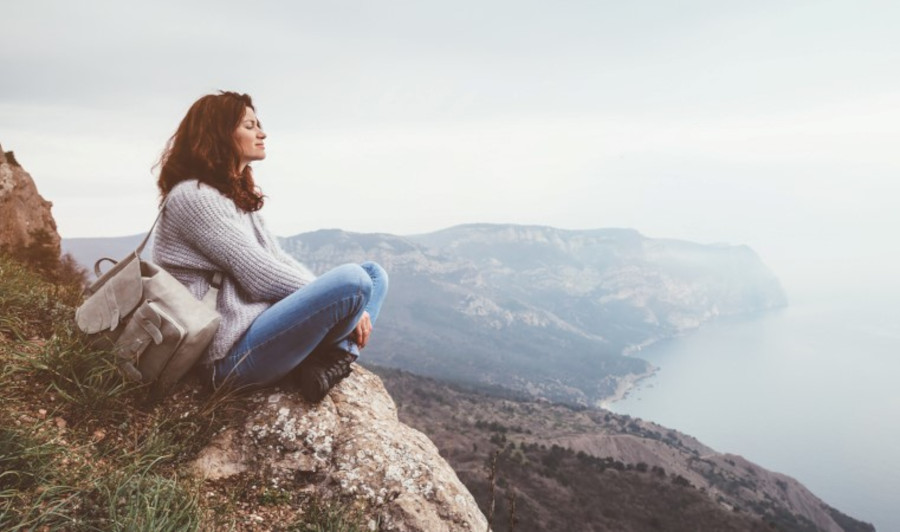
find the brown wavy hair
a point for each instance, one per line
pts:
(203, 148)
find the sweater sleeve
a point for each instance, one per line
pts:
(285, 257)
(210, 222)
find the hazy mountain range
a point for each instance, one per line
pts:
(549, 312)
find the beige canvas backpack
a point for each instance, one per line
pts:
(157, 328)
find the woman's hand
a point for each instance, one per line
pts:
(363, 329)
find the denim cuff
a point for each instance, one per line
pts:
(349, 346)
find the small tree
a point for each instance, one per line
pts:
(41, 254)
(71, 272)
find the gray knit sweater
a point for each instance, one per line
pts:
(202, 232)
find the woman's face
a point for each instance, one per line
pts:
(249, 138)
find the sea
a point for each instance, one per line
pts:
(810, 391)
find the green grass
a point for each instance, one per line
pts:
(321, 516)
(82, 449)
(137, 499)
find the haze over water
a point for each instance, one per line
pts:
(809, 391)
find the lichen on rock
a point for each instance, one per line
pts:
(349, 446)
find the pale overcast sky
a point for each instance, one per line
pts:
(769, 123)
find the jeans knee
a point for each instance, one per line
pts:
(356, 277)
(376, 273)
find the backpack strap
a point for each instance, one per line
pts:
(212, 295)
(162, 207)
(215, 284)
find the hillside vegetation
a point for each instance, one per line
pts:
(574, 468)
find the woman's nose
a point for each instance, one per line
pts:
(261, 134)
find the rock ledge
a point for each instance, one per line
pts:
(351, 446)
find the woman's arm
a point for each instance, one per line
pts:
(210, 222)
(283, 255)
(294, 263)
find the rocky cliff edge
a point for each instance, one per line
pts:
(350, 446)
(24, 214)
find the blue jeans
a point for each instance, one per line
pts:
(322, 313)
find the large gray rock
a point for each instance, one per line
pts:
(350, 445)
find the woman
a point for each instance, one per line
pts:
(275, 313)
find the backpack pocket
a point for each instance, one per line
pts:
(111, 298)
(147, 343)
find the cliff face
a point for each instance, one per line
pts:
(24, 214)
(349, 446)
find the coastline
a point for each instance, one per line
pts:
(825, 331)
(631, 349)
(625, 385)
(630, 381)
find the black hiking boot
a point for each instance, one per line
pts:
(322, 372)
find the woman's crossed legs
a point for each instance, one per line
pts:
(321, 314)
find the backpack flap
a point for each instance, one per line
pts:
(149, 339)
(112, 297)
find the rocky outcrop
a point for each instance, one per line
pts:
(349, 446)
(24, 215)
